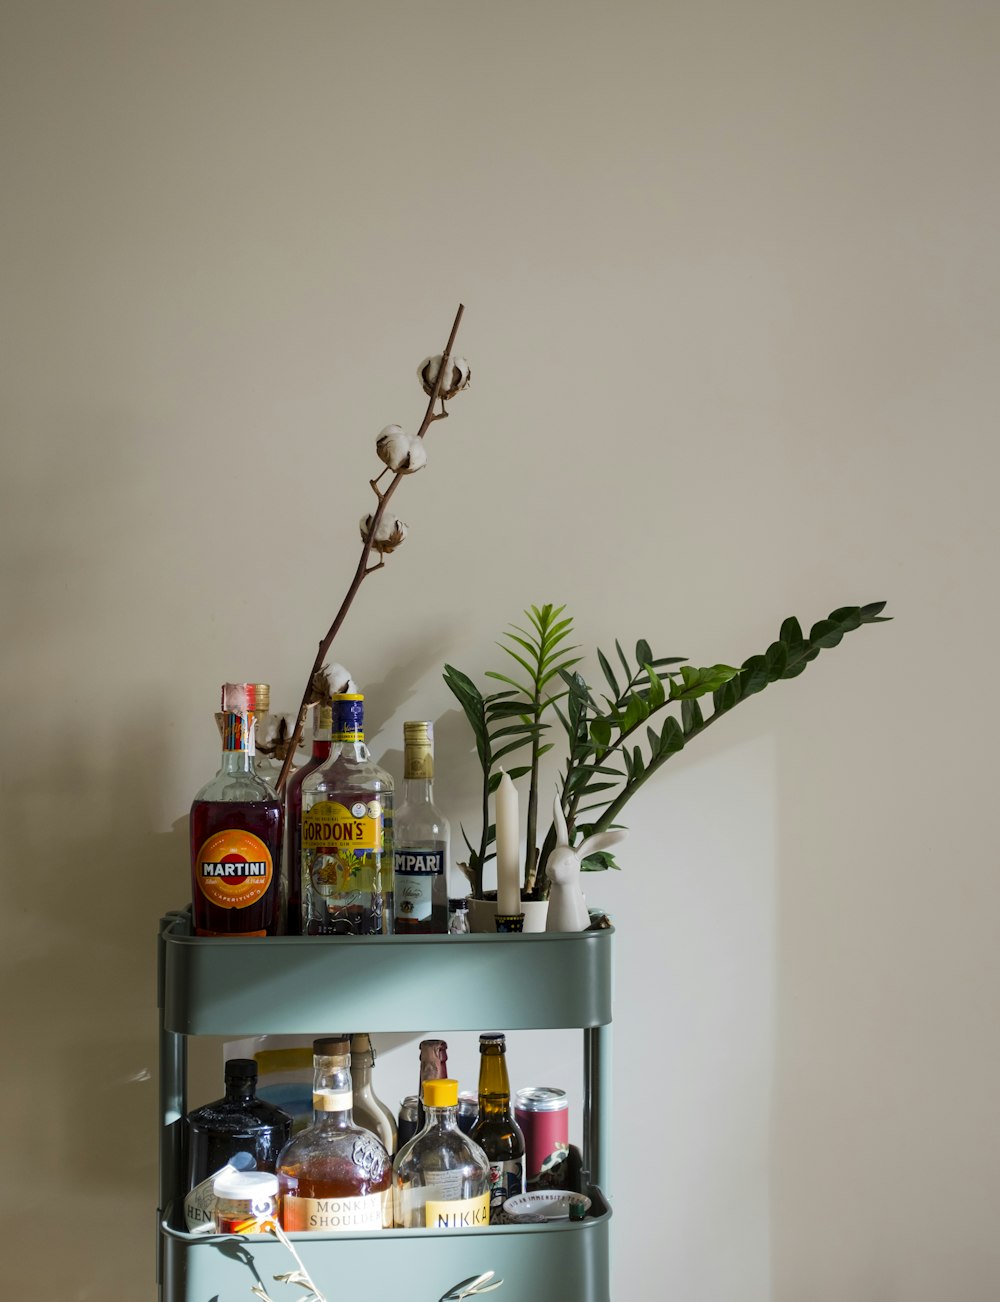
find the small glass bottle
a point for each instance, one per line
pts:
(409, 1120)
(321, 746)
(238, 1123)
(347, 835)
(458, 917)
(433, 1066)
(441, 1177)
(496, 1131)
(236, 833)
(369, 1110)
(420, 842)
(334, 1176)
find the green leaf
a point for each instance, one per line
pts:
(754, 676)
(671, 738)
(599, 861)
(636, 712)
(643, 653)
(699, 682)
(600, 731)
(657, 693)
(791, 632)
(691, 716)
(525, 691)
(625, 664)
(603, 661)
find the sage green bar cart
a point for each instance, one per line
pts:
(305, 985)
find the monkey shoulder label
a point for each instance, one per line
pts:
(338, 1215)
(234, 868)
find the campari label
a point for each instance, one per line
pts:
(234, 868)
(415, 871)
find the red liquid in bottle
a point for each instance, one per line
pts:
(239, 893)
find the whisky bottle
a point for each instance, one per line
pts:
(441, 1177)
(334, 1176)
(238, 1123)
(420, 842)
(236, 833)
(496, 1131)
(369, 1110)
(347, 835)
(321, 746)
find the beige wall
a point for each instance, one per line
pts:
(731, 275)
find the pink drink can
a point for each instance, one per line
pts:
(542, 1112)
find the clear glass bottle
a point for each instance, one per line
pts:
(347, 835)
(239, 1122)
(496, 1131)
(335, 1175)
(441, 1177)
(236, 833)
(420, 842)
(321, 747)
(369, 1110)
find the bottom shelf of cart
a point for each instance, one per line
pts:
(536, 1262)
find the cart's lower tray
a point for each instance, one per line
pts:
(537, 1263)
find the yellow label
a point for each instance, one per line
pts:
(338, 1215)
(458, 1214)
(333, 827)
(234, 868)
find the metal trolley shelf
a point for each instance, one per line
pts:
(303, 985)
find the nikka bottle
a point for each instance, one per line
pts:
(321, 746)
(496, 1131)
(347, 835)
(236, 833)
(441, 1177)
(334, 1176)
(420, 842)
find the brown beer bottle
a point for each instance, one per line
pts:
(496, 1132)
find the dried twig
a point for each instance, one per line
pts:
(364, 569)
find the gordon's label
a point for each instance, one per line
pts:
(330, 826)
(457, 1214)
(415, 871)
(234, 868)
(343, 849)
(338, 1215)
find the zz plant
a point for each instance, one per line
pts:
(615, 740)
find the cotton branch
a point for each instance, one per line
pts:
(364, 569)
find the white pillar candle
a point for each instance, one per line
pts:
(508, 848)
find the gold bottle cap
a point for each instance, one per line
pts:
(441, 1093)
(418, 750)
(261, 697)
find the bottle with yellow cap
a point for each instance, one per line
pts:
(440, 1177)
(347, 835)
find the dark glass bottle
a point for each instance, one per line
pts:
(433, 1066)
(321, 745)
(496, 1132)
(236, 831)
(238, 1123)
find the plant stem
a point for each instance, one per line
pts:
(363, 569)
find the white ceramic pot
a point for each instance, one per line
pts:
(483, 915)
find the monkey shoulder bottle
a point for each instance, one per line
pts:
(334, 1176)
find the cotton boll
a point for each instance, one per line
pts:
(461, 374)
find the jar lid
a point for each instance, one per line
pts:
(240, 1185)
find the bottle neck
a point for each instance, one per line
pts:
(238, 743)
(333, 1097)
(442, 1118)
(418, 791)
(494, 1085)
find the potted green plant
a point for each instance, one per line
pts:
(615, 739)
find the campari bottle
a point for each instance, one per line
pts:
(236, 833)
(420, 842)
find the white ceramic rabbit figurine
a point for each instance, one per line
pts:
(567, 907)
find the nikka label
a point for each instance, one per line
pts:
(234, 868)
(338, 1215)
(458, 1214)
